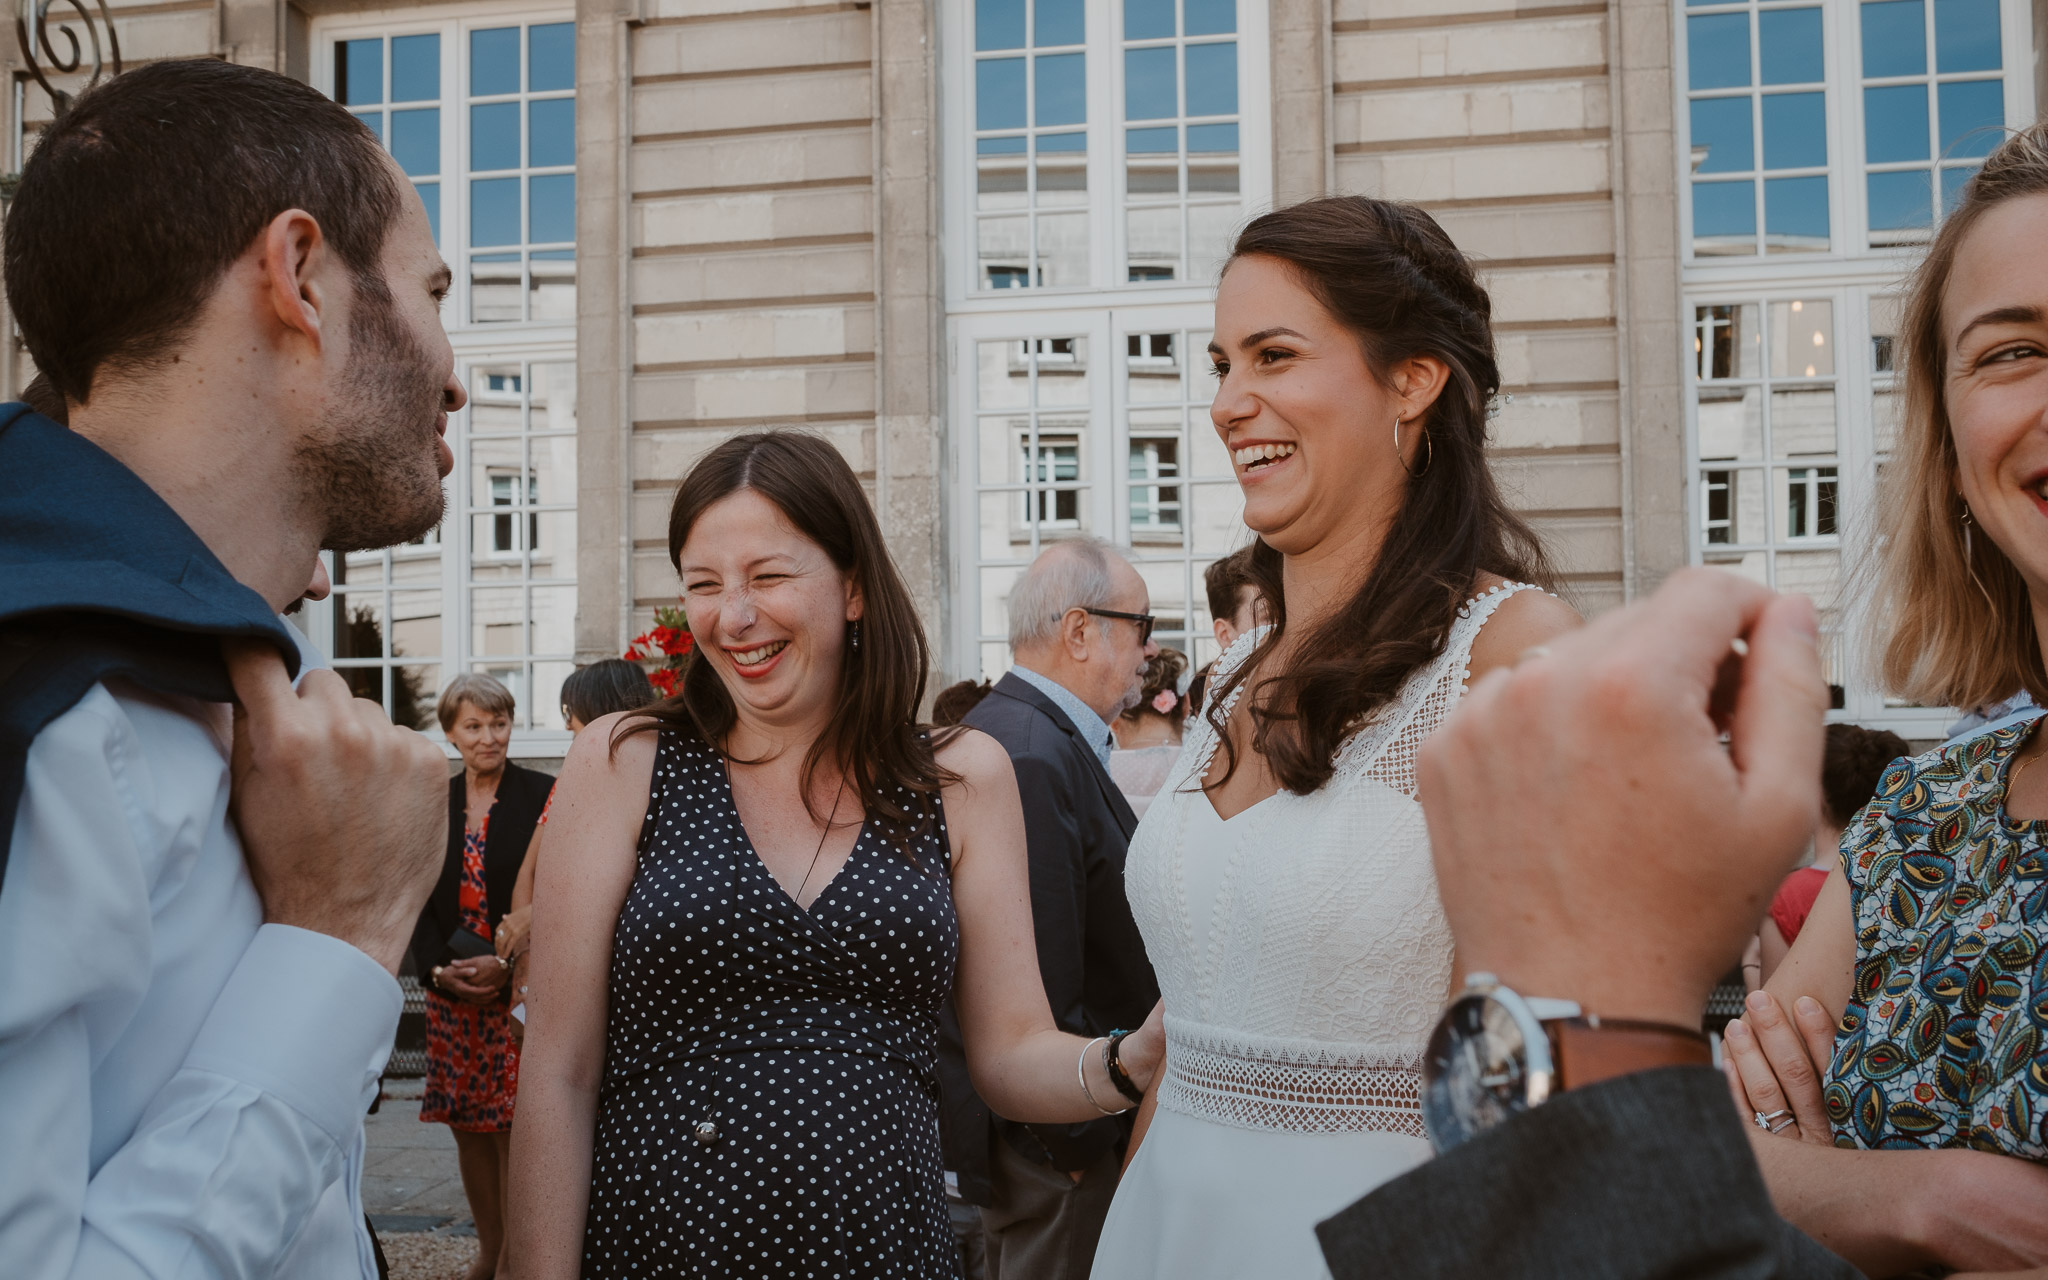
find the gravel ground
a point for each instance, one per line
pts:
(421, 1255)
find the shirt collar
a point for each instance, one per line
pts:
(1093, 730)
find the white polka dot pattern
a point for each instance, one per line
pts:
(770, 1097)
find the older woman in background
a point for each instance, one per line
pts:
(472, 1064)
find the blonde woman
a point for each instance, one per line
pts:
(1900, 1053)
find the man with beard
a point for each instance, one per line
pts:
(208, 876)
(1081, 631)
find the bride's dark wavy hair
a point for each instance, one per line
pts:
(1388, 272)
(873, 734)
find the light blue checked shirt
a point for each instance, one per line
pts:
(1093, 731)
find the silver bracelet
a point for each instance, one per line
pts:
(1081, 1074)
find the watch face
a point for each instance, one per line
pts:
(1475, 1074)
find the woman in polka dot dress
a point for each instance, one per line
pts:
(730, 1063)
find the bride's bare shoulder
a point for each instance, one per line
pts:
(1519, 623)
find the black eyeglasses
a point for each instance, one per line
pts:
(1145, 621)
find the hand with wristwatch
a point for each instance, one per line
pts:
(1607, 819)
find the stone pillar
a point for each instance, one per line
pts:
(604, 329)
(910, 316)
(1299, 43)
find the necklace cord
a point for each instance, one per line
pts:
(837, 796)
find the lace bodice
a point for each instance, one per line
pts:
(1301, 946)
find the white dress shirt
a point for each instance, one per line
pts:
(182, 1087)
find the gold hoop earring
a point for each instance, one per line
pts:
(1428, 446)
(1970, 557)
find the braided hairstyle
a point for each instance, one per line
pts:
(1389, 274)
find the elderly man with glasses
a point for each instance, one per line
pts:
(1081, 634)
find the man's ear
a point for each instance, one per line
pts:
(296, 257)
(1074, 633)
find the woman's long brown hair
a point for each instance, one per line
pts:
(873, 734)
(1393, 278)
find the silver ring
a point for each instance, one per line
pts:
(1764, 1121)
(1784, 1124)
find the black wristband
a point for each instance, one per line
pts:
(1113, 1059)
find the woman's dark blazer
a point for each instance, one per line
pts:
(522, 794)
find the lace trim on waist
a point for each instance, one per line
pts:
(1325, 1089)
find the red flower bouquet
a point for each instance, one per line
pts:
(670, 643)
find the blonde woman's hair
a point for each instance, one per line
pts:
(1954, 626)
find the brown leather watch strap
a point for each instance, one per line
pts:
(1590, 1049)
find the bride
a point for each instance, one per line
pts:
(1282, 878)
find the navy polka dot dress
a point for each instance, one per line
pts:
(770, 1099)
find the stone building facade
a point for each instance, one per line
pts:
(972, 242)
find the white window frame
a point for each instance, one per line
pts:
(1106, 170)
(476, 345)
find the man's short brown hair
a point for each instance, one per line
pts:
(1225, 578)
(140, 196)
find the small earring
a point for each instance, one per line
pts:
(1428, 446)
(1970, 557)
(856, 634)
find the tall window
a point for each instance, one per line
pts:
(1823, 140)
(479, 111)
(1102, 157)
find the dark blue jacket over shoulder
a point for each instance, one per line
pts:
(100, 579)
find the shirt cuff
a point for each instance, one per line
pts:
(305, 1017)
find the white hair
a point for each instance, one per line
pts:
(1075, 573)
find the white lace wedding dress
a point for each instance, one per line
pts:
(1304, 957)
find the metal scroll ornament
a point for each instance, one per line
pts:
(32, 31)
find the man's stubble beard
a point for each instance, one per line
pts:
(371, 468)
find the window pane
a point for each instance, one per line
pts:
(1803, 422)
(1795, 130)
(1154, 243)
(1895, 123)
(1723, 218)
(1717, 50)
(1212, 174)
(1972, 114)
(552, 211)
(494, 61)
(1209, 237)
(416, 141)
(1152, 174)
(1210, 17)
(359, 71)
(551, 288)
(1802, 338)
(1063, 249)
(494, 277)
(1062, 178)
(1727, 340)
(1152, 141)
(1788, 46)
(1212, 138)
(1796, 215)
(1721, 128)
(1952, 181)
(551, 56)
(430, 196)
(1005, 252)
(374, 122)
(1900, 201)
(1212, 79)
(1058, 22)
(1074, 142)
(551, 131)
(1731, 422)
(999, 93)
(494, 136)
(494, 211)
(1148, 19)
(999, 175)
(998, 24)
(1062, 84)
(1149, 89)
(415, 68)
(1965, 35)
(1894, 39)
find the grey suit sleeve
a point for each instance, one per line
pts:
(1647, 1175)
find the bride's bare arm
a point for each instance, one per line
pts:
(1022, 1064)
(597, 813)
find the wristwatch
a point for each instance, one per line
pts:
(1496, 1053)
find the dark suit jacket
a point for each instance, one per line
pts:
(1637, 1178)
(522, 794)
(1077, 826)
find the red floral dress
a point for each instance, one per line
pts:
(472, 1064)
